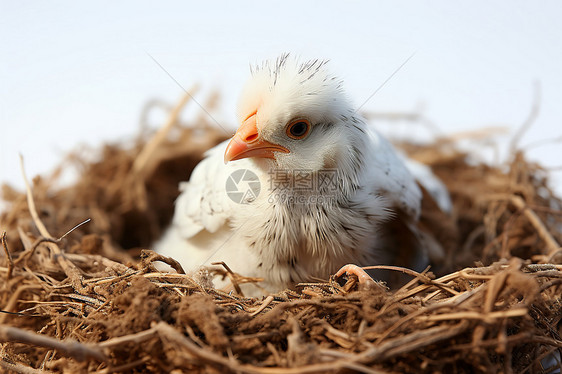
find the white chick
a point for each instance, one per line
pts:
(303, 187)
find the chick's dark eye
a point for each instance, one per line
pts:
(298, 129)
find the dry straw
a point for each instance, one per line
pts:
(91, 300)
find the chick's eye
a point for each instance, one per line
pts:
(298, 129)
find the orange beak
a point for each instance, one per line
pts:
(247, 143)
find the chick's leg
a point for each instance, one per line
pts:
(364, 279)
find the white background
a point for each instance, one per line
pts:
(72, 74)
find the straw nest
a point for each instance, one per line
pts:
(91, 299)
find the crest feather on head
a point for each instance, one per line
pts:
(285, 88)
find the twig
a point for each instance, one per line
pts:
(31, 204)
(231, 275)
(551, 244)
(8, 256)
(144, 156)
(10, 306)
(19, 368)
(486, 317)
(137, 338)
(236, 279)
(263, 305)
(149, 256)
(68, 267)
(411, 342)
(422, 277)
(125, 367)
(74, 228)
(531, 117)
(194, 337)
(28, 254)
(70, 348)
(479, 134)
(450, 302)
